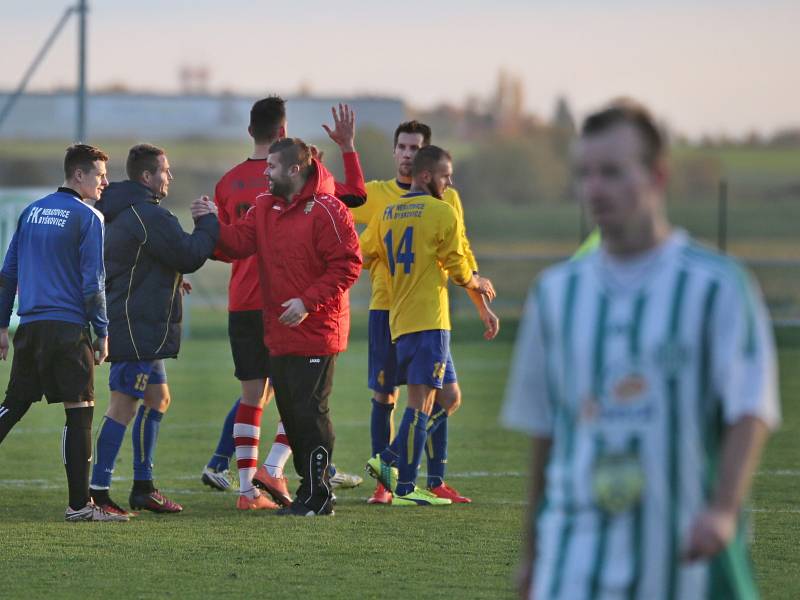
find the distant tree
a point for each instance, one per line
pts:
(562, 116)
(786, 138)
(516, 171)
(562, 127)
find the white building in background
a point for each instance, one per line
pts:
(128, 116)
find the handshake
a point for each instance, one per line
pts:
(202, 206)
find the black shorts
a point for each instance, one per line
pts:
(250, 355)
(54, 359)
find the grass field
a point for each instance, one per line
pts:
(457, 552)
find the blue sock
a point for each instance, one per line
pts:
(145, 435)
(436, 446)
(411, 435)
(107, 445)
(380, 425)
(225, 446)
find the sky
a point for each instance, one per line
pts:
(703, 66)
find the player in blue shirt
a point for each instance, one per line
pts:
(56, 260)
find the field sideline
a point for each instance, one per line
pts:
(460, 551)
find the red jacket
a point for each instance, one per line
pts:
(306, 249)
(236, 192)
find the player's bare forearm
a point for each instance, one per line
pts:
(715, 527)
(540, 455)
(741, 450)
(482, 285)
(490, 320)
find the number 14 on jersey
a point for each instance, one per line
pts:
(403, 255)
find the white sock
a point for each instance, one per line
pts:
(279, 453)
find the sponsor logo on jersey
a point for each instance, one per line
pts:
(48, 216)
(625, 395)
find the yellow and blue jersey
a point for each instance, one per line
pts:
(381, 194)
(419, 241)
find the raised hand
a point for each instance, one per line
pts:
(344, 128)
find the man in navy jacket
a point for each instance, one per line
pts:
(56, 259)
(146, 254)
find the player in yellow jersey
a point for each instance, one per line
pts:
(419, 240)
(409, 137)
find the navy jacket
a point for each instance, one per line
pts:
(146, 254)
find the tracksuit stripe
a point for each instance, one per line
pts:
(142, 427)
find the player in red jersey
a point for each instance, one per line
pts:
(235, 193)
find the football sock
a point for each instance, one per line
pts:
(391, 453)
(10, 414)
(76, 451)
(106, 449)
(145, 436)
(380, 425)
(143, 486)
(225, 446)
(436, 446)
(411, 435)
(279, 453)
(246, 433)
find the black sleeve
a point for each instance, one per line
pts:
(352, 201)
(168, 243)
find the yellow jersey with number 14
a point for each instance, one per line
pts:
(381, 194)
(419, 241)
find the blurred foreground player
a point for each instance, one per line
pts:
(645, 373)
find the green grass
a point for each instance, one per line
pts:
(461, 551)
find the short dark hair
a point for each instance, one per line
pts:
(428, 158)
(293, 151)
(629, 112)
(267, 117)
(141, 158)
(413, 127)
(81, 156)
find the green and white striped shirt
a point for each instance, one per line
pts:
(634, 369)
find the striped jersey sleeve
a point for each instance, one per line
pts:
(528, 405)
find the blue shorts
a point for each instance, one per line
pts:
(423, 357)
(382, 358)
(132, 377)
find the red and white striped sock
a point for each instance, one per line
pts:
(246, 433)
(279, 453)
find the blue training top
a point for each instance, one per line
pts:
(56, 259)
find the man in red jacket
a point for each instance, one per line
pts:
(308, 258)
(235, 193)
